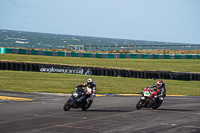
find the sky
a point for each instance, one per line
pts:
(149, 20)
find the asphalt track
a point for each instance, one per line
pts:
(108, 114)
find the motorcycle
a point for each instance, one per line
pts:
(73, 102)
(149, 99)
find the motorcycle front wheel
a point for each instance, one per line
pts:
(139, 104)
(67, 105)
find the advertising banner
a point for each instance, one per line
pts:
(64, 69)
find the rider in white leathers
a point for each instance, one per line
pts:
(91, 89)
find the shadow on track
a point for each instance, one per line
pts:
(175, 109)
(108, 111)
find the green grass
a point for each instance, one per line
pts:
(64, 83)
(185, 65)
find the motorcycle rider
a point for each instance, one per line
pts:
(91, 89)
(160, 88)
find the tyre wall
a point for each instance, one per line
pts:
(21, 66)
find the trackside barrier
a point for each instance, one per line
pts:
(98, 55)
(39, 67)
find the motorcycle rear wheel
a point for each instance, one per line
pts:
(86, 106)
(157, 105)
(139, 104)
(67, 105)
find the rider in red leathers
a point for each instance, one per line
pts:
(160, 88)
(91, 89)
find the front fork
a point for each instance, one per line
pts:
(73, 100)
(143, 100)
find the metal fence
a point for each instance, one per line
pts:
(96, 54)
(132, 47)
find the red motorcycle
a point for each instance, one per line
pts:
(149, 99)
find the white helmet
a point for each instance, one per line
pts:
(89, 81)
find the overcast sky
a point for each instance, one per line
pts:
(150, 20)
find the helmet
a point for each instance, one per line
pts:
(159, 83)
(89, 81)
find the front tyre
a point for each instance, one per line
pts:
(139, 104)
(86, 106)
(67, 105)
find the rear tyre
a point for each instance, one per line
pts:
(158, 105)
(139, 104)
(67, 105)
(86, 106)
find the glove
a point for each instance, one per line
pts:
(145, 88)
(77, 85)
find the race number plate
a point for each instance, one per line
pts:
(75, 94)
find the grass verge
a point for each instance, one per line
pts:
(64, 83)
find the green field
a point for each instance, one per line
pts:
(64, 83)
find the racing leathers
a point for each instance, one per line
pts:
(161, 91)
(90, 90)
